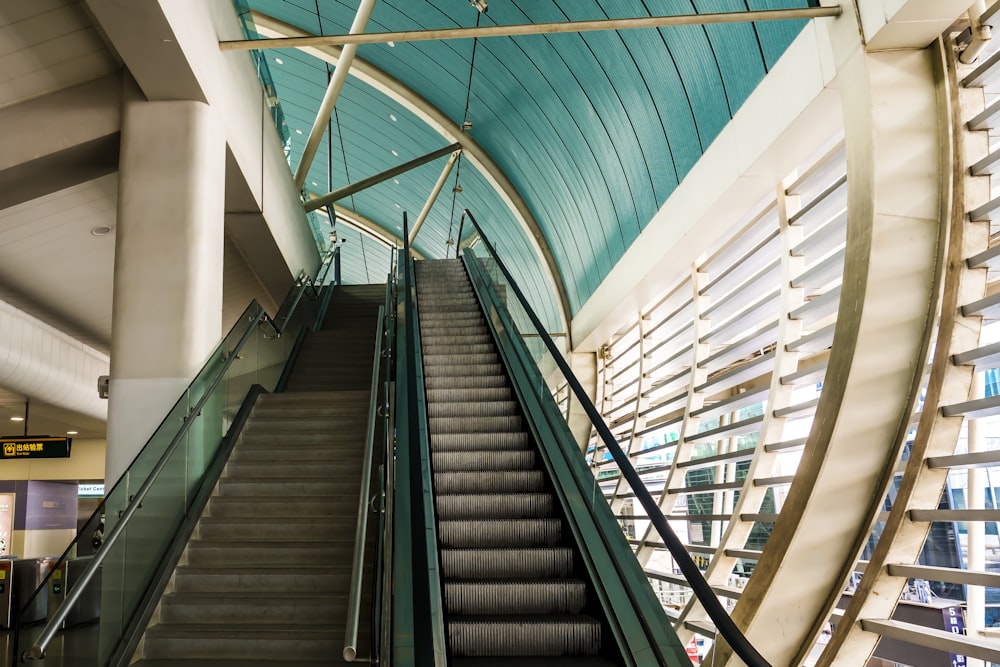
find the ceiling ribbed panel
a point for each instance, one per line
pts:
(594, 130)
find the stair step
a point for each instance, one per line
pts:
(464, 442)
(500, 533)
(269, 575)
(287, 528)
(507, 481)
(281, 507)
(233, 608)
(494, 506)
(471, 408)
(286, 643)
(524, 636)
(280, 467)
(542, 562)
(260, 452)
(282, 486)
(287, 425)
(483, 460)
(470, 597)
(280, 552)
(349, 435)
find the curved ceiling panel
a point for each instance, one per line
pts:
(594, 129)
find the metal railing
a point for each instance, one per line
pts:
(706, 596)
(354, 598)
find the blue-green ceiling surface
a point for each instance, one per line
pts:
(595, 130)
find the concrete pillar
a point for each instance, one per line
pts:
(167, 314)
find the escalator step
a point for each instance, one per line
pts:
(459, 348)
(467, 598)
(480, 381)
(446, 340)
(497, 424)
(528, 636)
(455, 359)
(523, 459)
(469, 394)
(470, 408)
(508, 481)
(499, 506)
(465, 442)
(522, 661)
(500, 533)
(542, 562)
(464, 371)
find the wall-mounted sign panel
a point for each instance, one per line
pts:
(35, 448)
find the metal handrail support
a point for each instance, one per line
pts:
(706, 596)
(354, 599)
(37, 651)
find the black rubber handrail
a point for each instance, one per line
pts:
(703, 591)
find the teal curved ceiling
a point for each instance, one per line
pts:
(595, 130)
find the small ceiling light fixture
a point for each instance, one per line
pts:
(17, 419)
(392, 117)
(394, 153)
(398, 206)
(101, 230)
(467, 125)
(396, 181)
(392, 44)
(297, 131)
(315, 183)
(279, 61)
(480, 5)
(457, 188)
(71, 432)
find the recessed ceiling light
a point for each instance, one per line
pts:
(392, 117)
(395, 154)
(396, 181)
(298, 131)
(71, 432)
(101, 230)
(315, 183)
(398, 206)
(391, 43)
(279, 61)
(17, 419)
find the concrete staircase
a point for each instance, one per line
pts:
(266, 576)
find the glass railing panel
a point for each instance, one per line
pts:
(252, 353)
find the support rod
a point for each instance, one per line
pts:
(348, 190)
(532, 28)
(332, 93)
(434, 195)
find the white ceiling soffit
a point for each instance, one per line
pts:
(43, 363)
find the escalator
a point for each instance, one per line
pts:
(516, 583)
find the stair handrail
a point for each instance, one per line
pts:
(724, 623)
(354, 598)
(37, 651)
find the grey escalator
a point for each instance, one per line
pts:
(513, 581)
(265, 577)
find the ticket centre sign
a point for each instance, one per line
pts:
(35, 448)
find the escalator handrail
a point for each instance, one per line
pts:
(706, 596)
(37, 650)
(354, 599)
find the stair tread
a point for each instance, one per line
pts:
(240, 630)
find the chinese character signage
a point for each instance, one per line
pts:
(42, 447)
(953, 623)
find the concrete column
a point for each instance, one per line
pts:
(167, 314)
